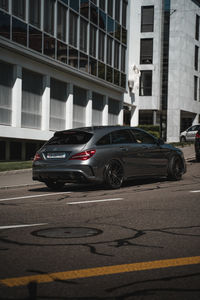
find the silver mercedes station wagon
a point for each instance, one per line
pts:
(105, 154)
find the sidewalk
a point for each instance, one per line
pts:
(22, 178)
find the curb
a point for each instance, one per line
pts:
(13, 172)
(20, 186)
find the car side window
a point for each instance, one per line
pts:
(121, 137)
(105, 140)
(143, 137)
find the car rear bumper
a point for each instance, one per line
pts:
(65, 175)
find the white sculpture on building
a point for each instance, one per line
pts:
(134, 79)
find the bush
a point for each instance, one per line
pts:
(152, 129)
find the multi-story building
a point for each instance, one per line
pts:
(62, 65)
(72, 63)
(164, 46)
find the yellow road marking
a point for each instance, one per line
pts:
(100, 271)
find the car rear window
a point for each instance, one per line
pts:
(70, 138)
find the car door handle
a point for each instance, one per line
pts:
(124, 149)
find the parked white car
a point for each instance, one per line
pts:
(189, 134)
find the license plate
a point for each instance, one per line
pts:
(52, 155)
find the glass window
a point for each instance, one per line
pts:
(195, 87)
(105, 140)
(102, 20)
(74, 4)
(92, 66)
(146, 51)
(113, 111)
(116, 59)
(97, 108)
(79, 108)
(65, 1)
(15, 150)
(19, 32)
(124, 36)
(196, 58)
(102, 4)
(83, 62)
(197, 28)
(4, 25)
(147, 19)
(84, 9)
(4, 4)
(142, 137)
(73, 25)
(117, 31)
(123, 80)
(110, 26)
(101, 45)
(73, 57)
(6, 83)
(61, 22)
(93, 32)
(70, 137)
(94, 14)
(34, 12)
(35, 39)
(109, 74)
(58, 98)
(101, 70)
(109, 50)
(94, 1)
(110, 7)
(2, 150)
(31, 99)
(83, 35)
(124, 12)
(123, 59)
(19, 8)
(49, 46)
(61, 52)
(146, 83)
(121, 137)
(117, 10)
(116, 77)
(49, 16)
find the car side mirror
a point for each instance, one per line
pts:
(160, 142)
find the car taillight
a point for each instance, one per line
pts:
(37, 157)
(197, 135)
(83, 155)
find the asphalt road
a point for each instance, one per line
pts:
(139, 242)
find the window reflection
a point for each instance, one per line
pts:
(4, 25)
(73, 57)
(101, 70)
(116, 77)
(117, 31)
(4, 4)
(19, 8)
(49, 16)
(102, 20)
(19, 32)
(110, 26)
(35, 39)
(49, 46)
(92, 66)
(123, 80)
(73, 29)
(93, 14)
(61, 52)
(83, 34)
(61, 22)
(84, 8)
(34, 12)
(74, 4)
(83, 62)
(109, 74)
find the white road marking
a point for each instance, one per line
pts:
(19, 226)
(195, 191)
(93, 201)
(33, 196)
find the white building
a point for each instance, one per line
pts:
(62, 65)
(164, 44)
(72, 63)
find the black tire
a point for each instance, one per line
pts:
(113, 174)
(54, 185)
(198, 158)
(175, 168)
(183, 139)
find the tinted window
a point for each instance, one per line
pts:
(70, 138)
(143, 137)
(105, 140)
(121, 137)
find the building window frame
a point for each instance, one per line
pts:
(147, 18)
(146, 83)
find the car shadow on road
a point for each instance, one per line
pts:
(94, 187)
